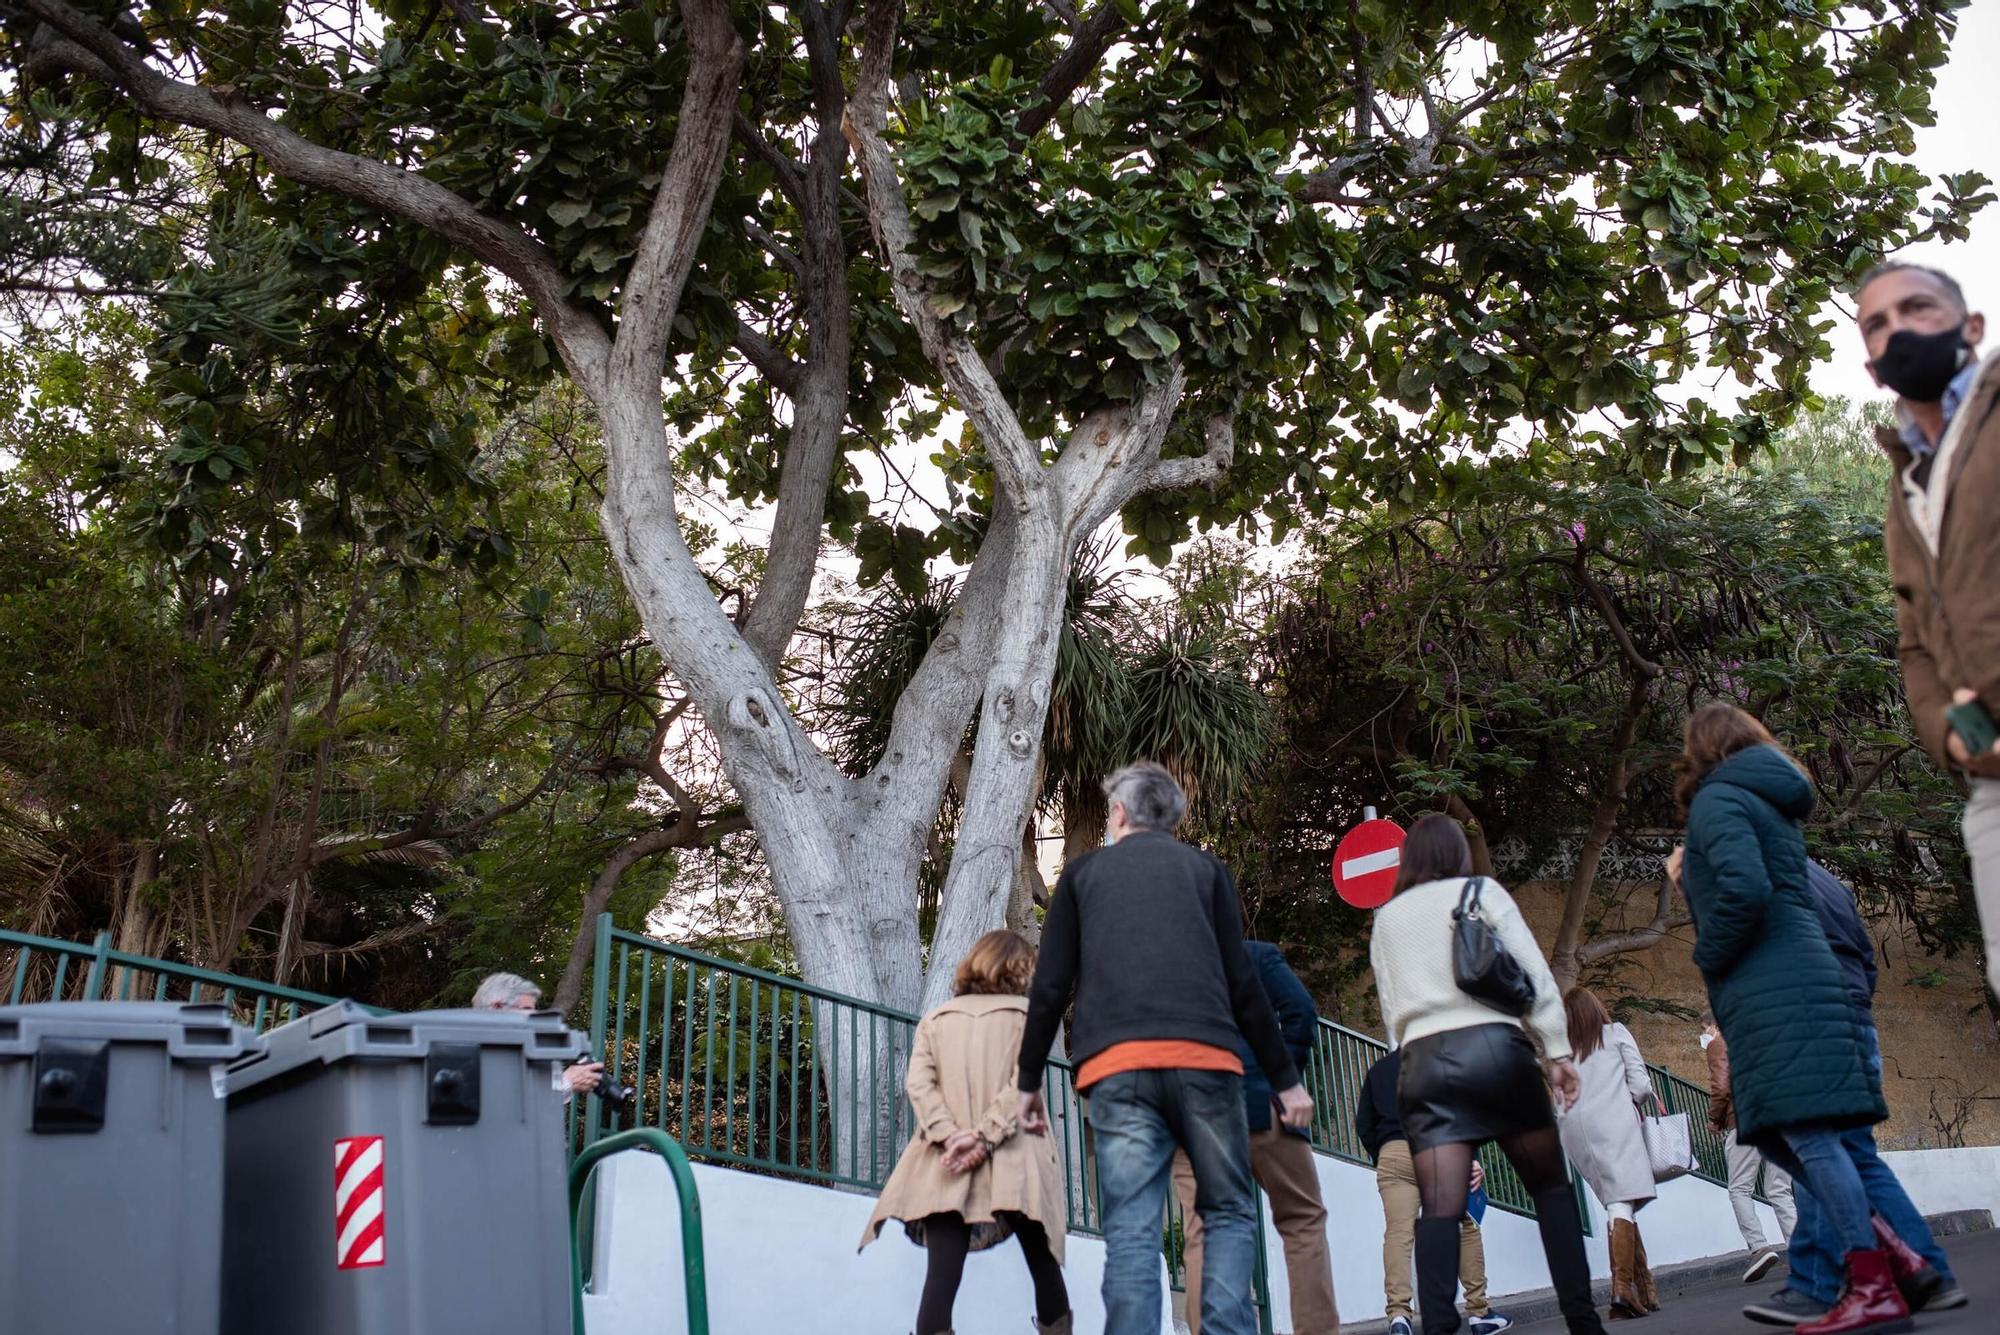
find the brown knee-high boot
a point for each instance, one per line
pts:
(1625, 1302)
(1642, 1273)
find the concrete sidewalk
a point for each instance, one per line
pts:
(1705, 1297)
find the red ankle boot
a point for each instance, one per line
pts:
(1916, 1279)
(1869, 1302)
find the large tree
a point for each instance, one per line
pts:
(1219, 261)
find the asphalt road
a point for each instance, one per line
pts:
(1715, 1308)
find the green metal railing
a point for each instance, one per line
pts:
(39, 968)
(694, 1258)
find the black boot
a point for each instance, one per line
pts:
(1437, 1275)
(1569, 1268)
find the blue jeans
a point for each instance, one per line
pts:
(1139, 1118)
(1816, 1271)
(1816, 1156)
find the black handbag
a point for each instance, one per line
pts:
(1480, 965)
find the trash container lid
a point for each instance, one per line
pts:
(346, 1031)
(194, 1031)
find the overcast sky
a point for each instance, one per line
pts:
(1964, 139)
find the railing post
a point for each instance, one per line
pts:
(93, 983)
(600, 989)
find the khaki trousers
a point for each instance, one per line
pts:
(1283, 1166)
(1982, 844)
(1396, 1179)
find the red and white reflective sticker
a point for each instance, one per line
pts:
(357, 1203)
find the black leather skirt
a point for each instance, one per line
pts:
(1465, 1086)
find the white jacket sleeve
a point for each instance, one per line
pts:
(1638, 1082)
(1380, 961)
(1546, 1019)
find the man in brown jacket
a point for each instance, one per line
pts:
(1943, 533)
(1744, 1161)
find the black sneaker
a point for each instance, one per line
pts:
(1949, 1298)
(1786, 1307)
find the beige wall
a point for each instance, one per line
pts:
(1940, 1047)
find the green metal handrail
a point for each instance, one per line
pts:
(45, 969)
(693, 1256)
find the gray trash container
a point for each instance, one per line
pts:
(111, 1166)
(400, 1175)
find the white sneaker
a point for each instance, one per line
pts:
(1491, 1324)
(1401, 1326)
(1760, 1265)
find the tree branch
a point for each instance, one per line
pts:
(1579, 568)
(1072, 67)
(681, 202)
(92, 50)
(819, 397)
(1016, 462)
(1203, 469)
(1665, 919)
(790, 179)
(770, 360)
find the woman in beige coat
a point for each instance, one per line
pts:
(970, 1178)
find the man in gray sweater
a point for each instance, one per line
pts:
(1145, 935)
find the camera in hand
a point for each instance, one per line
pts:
(610, 1090)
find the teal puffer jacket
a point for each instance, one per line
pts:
(1796, 1053)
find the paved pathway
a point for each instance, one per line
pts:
(1715, 1307)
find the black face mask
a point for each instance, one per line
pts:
(1920, 366)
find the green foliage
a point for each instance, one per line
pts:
(175, 736)
(1458, 657)
(1406, 233)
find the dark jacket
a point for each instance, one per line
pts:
(1376, 1119)
(1796, 1042)
(1147, 937)
(1852, 946)
(1298, 1018)
(1948, 607)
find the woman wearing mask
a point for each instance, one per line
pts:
(1799, 1073)
(1600, 1133)
(1470, 1073)
(969, 1179)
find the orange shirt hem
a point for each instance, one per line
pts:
(1157, 1054)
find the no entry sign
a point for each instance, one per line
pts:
(1365, 863)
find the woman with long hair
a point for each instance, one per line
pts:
(1799, 1073)
(1600, 1133)
(1470, 1073)
(970, 1179)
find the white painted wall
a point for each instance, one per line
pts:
(781, 1255)
(1941, 1180)
(781, 1261)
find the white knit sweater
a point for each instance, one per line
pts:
(1411, 954)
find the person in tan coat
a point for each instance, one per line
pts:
(1944, 457)
(970, 1177)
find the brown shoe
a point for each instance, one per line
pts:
(1625, 1302)
(1060, 1326)
(1642, 1274)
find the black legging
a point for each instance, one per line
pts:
(948, 1237)
(1444, 1181)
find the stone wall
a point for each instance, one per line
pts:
(1941, 1050)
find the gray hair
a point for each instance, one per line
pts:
(1151, 798)
(499, 992)
(1887, 267)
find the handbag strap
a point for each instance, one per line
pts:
(1468, 899)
